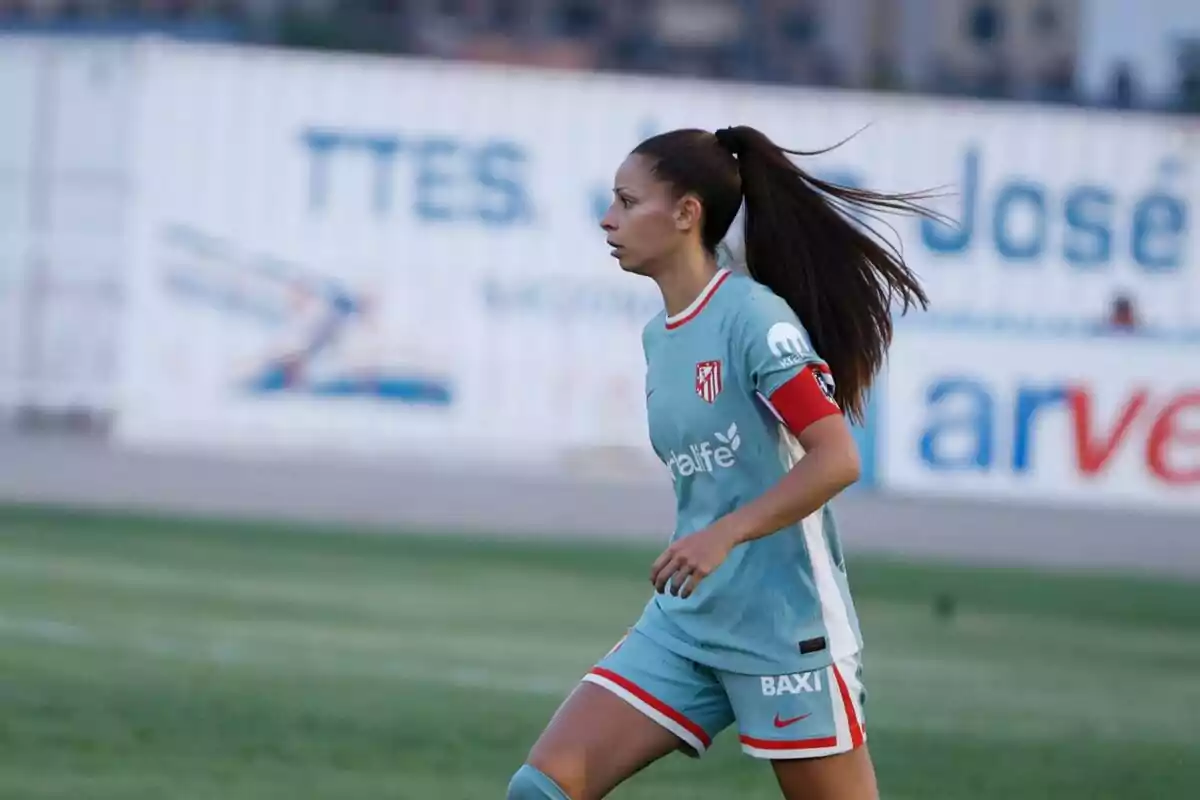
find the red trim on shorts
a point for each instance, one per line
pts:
(801, 401)
(856, 730)
(655, 703)
(797, 744)
(708, 296)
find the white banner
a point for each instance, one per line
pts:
(392, 255)
(379, 258)
(1097, 423)
(64, 187)
(18, 80)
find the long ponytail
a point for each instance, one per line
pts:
(805, 240)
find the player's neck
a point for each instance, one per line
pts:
(683, 283)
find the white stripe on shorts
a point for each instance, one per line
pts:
(650, 711)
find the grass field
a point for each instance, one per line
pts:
(144, 658)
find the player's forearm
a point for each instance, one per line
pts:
(817, 479)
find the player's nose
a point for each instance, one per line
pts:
(607, 222)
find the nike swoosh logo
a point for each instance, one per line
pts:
(783, 723)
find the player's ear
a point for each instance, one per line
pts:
(687, 213)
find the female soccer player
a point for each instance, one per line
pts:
(751, 620)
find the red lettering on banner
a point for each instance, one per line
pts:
(1168, 430)
(1093, 453)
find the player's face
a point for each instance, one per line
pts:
(642, 223)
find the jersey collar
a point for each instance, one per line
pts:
(699, 303)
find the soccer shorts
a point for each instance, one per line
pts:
(799, 715)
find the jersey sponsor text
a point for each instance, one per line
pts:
(796, 683)
(705, 456)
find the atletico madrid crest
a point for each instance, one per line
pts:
(708, 380)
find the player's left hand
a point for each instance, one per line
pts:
(691, 559)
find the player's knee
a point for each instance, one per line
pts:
(530, 783)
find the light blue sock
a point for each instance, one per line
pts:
(529, 783)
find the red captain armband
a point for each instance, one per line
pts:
(805, 398)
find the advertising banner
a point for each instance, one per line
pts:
(395, 256)
(64, 195)
(1097, 423)
(18, 81)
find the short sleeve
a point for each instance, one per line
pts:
(773, 345)
(781, 366)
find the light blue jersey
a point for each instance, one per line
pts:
(780, 604)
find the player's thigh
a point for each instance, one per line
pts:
(640, 703)
(595, 741)
(845, 776)
(811, 728)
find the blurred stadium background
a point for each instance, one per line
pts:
(322, 453)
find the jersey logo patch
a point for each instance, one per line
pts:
(784, 338)
(708, 380)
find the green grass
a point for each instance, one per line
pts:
(157, 658)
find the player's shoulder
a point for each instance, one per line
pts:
(753, 305)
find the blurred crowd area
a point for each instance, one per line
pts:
(1020, 49)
